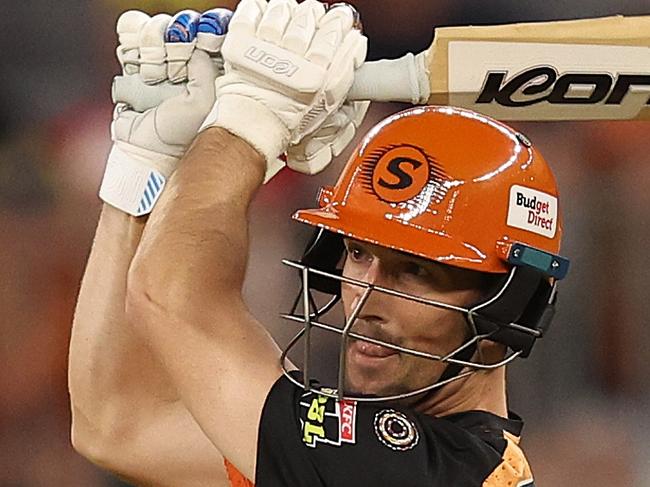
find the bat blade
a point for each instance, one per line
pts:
(564, 70)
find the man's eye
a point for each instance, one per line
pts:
(355, 254)
(414, 269)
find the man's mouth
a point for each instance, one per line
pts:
(362, 350)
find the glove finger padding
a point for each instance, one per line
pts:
(331, 29)
(128, 28)
(212, 29)
(213, 25)
(355, 112)
(348, 59)
(246, 17)
(152, 49)
(180, 40)
(275, 20)
(300, 31)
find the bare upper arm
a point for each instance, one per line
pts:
(223, 363)
(165, 448)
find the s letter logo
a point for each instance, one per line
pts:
(405, 178)
(397, 173)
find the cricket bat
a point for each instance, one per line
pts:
(591, 69)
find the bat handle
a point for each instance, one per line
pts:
(405, 79)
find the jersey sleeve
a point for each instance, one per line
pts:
(307, 439)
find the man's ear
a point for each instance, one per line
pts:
(491, 352)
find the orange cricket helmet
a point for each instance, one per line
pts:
(446, 184)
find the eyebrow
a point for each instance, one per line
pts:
(414, 258)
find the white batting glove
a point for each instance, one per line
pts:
(155, 52)
(288, 67)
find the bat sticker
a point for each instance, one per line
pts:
(538, 84)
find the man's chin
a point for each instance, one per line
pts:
(367, 373)
(368, 387)
(386, 390)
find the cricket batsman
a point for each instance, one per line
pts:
(438, 247)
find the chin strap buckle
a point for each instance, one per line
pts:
(551, 265)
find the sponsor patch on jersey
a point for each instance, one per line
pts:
(326, 420)
(532, 210)
(395, 430)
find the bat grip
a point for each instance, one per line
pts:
(405, 79)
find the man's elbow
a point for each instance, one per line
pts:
(108, 447)
(92, 444)
(87, 446)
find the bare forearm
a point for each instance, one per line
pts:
(107, 360)
(196, 247)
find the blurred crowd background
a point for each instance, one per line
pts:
(585, 391)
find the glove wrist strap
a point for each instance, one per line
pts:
(251, 121)
(134, 178)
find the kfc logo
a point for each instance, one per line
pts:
(347, 411)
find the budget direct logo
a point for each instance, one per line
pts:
(532, 210)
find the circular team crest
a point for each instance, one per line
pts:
(400, 173)
(395, 430)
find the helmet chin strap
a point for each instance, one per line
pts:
(452, 370)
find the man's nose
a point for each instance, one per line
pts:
(380, 274)
(375, 273)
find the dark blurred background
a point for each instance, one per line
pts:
(585, 392)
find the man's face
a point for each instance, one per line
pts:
(377, 370)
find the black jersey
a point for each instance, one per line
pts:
(311, 440)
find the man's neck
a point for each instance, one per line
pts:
(482, 391)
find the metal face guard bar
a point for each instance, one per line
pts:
(310, 318)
